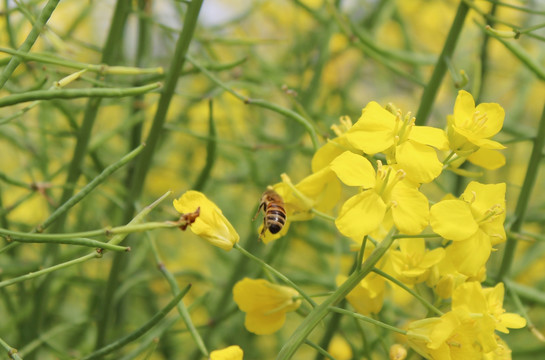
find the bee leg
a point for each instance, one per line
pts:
(262, 205)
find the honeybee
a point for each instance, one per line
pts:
(275, 214)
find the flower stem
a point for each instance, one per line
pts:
(275, 272)
(430, 92)
(261, 103)
(319, 312)
(409, 290)
(38, 26)
(367, 319)
(140, 331)
(182, 309)
(524, 198)
(76, 93)
(12, 352)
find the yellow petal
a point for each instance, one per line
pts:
(464, 108)
(428, 135)
(488, 159)
(264, 324)
(494, 119)
(452, 219)
(374, 131)
(361, 214)
(469, 256)
(419, 161)
(211, 224)
(512, 321)
(328, 152)
(354, 170)
(410, 210)
(259, 295)
(233, 352)
(480, 142)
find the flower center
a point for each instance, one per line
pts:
(403, 126)
(477, 122)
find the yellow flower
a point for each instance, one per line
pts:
(339, 348)
(368, 296)
(474, 223)
(265, 304)
(383, 192)
(457, 335)
(489, 302)
(211, 224)
(412, 262)
(410, 147)
(233, 352)
(470, 128)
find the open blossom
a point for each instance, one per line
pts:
(412, 262)
(488, 302)
(474, 223)
(409, 146)
(265, 304)
(233, 352)
(210, 224)
(383, 193)
(457, 335)
(470, 130)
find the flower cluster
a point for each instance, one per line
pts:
(383, 160)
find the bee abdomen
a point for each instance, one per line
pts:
(275, 218)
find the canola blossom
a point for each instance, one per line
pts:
(211, 224)
(383, 193)
(265, 304)
(233, 352)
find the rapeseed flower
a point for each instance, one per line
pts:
(409, 146)
(233, 352)
(368, 296)
(488, 302)
(457, 335)
(470, 128)
(211, 224)
(383, 193)
(265, 304)
(412, 262)
(474, 223)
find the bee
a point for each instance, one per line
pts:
(275, 214)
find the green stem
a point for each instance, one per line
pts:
(409, 290)
(118, 344)
(524, 198)
(319, 312)
(321, 350)
(182, 309)
(210, 151)
(182, 45)
(276, 273)
(361, 251)
(75, 241)
(12, 352)
(102, 69)
(88, 188)
(430, 92)
(50, 269)
(367, 319)
(76, 93)
(259, 102)
(39, 24)
(142, 167)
